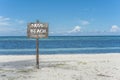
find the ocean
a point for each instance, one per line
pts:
(21, 45)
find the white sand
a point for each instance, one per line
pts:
(61, 67)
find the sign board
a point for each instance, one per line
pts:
(37, 30)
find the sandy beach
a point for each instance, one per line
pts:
(61, 67)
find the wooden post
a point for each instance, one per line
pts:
(37, 53)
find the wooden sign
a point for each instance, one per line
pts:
(37, 30)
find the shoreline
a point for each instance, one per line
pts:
(59, 54)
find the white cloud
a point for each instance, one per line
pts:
(51, 32)
(4, 21)
(20, 21)
(76, 29)
(10, 26)
(4, 18)
(115, 28)
(6, 29)
(84, 22)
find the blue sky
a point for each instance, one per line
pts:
(65, 17)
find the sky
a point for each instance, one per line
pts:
(65, 17)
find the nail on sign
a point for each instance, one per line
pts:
(37, 30)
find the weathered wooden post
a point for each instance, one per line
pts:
(37, 53)
(37, 30)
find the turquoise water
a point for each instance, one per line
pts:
(15, 45)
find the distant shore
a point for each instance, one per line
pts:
(61, 67)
